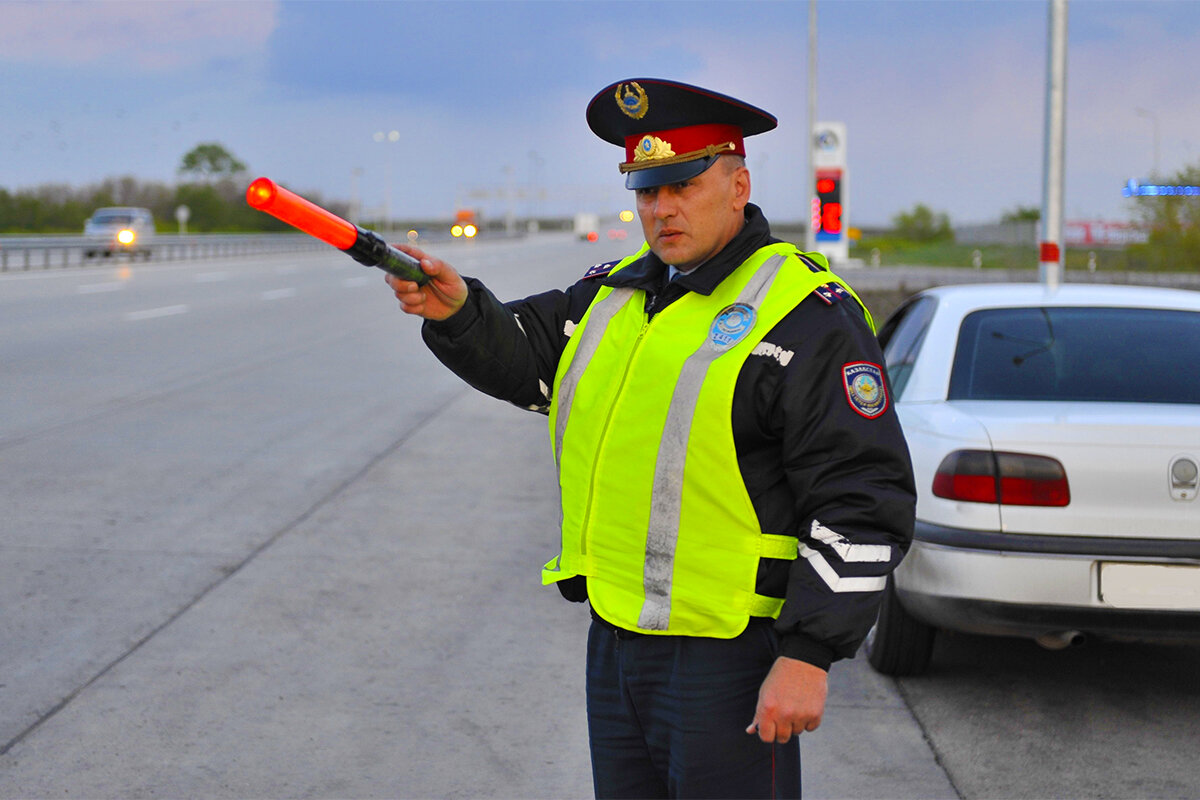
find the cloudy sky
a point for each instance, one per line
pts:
(944, 100)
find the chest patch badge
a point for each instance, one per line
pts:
(731, 325)
(865, 389)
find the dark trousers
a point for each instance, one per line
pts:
(667, 717)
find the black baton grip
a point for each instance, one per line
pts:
(370, 249)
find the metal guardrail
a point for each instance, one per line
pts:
(26, 253)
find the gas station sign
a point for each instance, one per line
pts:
(829, 217)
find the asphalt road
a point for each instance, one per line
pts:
(256, 542)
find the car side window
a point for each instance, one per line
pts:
(901, 338)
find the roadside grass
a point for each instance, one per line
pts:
(890, 251)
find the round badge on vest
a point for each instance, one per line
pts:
(731, 325)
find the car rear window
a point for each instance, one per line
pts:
(112, 219)
(1129, 355)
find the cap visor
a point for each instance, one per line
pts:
(669, 173)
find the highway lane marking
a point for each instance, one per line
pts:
(278, 294)
(154, 313)
(96, 288)
(212, 277)
(361, 280)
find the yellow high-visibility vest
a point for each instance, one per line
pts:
(654, 509)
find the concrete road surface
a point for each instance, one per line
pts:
(256, 542)
(396, 643)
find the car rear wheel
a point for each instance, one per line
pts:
(899, 644)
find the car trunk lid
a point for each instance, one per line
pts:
(1118, 459)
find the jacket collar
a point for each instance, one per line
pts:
(649, 272)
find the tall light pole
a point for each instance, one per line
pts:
(536, 162)
(1050, 255)
(1141, 112)
(810, 187)
(509, 215)
(355, 195)
(391, 137)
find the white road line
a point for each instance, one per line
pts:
(278, 294)
(153, 313)
(361, 280)
(212, 277)
(96, 288)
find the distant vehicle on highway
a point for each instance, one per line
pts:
(119, 229)
(587, 227)
(1055, 437)
(465, 225)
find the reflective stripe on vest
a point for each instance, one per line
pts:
(600, 315)
(666, 498)
(655, 512)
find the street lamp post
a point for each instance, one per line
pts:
(509, 213)
(355, 196)
(391, 137)
(535, 187)
(810, 189)
(1141, 112)
(1050, 256)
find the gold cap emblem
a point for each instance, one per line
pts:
(632, 100)
(652, 148)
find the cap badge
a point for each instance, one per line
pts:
(731, 325)
(652, 148)
(632, 100)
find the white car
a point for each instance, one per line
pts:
(1055, 438)
(119, 229)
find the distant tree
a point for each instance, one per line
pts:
(210, 161)
(217, 203)
(1022, 214)
(1174, 225)
(922, 224)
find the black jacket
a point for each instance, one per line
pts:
(806, 454)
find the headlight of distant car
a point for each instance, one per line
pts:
(469, 231)
(126, 236)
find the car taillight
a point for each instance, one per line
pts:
(1014, 479)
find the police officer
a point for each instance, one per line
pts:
(735, 485)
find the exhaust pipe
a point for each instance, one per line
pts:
(1061, 640)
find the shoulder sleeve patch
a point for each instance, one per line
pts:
(865, 390)
(600, 270)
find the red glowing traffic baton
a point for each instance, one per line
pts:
(364, 246)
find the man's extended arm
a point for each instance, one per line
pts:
(506, 350)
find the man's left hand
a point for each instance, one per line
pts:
(791, 700)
